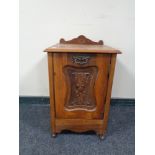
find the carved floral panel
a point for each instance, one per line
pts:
(80, 85)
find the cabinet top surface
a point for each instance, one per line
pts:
(82, 45)
(82, 48)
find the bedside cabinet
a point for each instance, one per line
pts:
(80, 80)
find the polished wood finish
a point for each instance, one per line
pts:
(81, 44)
(52, 95)
(80, 85)
(75, 48)
(79, 125)
(101, 62)
(81, 40)
(108, 97)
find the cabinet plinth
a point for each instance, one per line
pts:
(80, 81)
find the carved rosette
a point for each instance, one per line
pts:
(80, 82)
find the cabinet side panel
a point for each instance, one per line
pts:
(108, 96)
(51, 88)
(102, 61)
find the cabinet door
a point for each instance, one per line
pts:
(80, 83)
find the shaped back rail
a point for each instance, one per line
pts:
(81, 40)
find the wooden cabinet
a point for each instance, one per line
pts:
(80, 76)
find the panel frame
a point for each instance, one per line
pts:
(102, 61)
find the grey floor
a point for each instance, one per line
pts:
(35, 138)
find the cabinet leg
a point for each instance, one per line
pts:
(54, 135)
(101, 136)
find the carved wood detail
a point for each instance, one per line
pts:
(81, 40)
(80, 82)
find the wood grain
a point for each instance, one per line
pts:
(81, 40)
(81, 74)
(108, 97)
(79, 125)
(78, 48)
(61, 86)
(52, 94)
